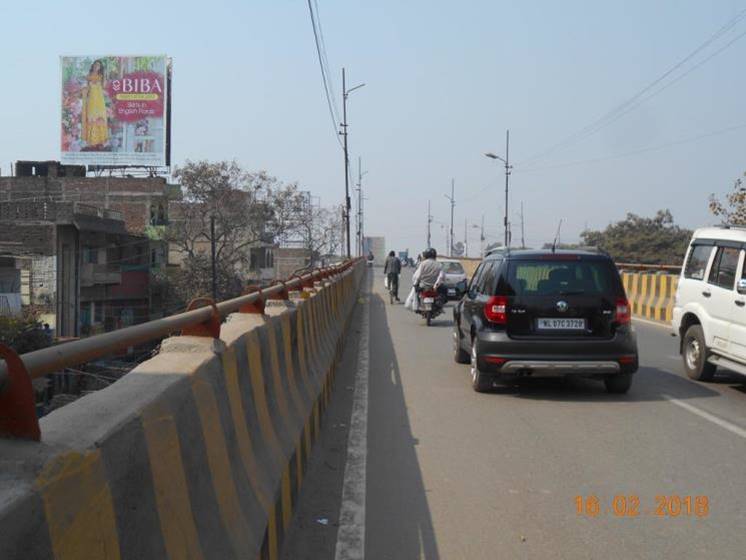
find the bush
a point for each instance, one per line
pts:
(23, 333)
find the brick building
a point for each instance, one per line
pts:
(142, 201)
(90, 244)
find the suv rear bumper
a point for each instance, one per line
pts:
(547, 368)
(509, 357)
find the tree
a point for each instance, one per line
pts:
(248, 209)
(637, 239)
(321, 230)
(733, 210)
(23, 333)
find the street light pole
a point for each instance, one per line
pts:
(507, 177)
(213, 264)
(429, 221)
(453, 203)
(508, 167)
(347, 206)
(359, 221)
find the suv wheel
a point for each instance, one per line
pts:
(695, 355)
(480, 381)
(460, 356)
(619, 383)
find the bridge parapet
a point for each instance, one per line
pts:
(198, 452)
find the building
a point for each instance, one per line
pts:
(288, 260)
(141, 201)
(14, 284)
(85, 248)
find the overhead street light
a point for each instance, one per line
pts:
(508, 167)
(345, 93)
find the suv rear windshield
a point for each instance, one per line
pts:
(560, 277)
(452, 267)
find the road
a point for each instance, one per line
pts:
(453, 474)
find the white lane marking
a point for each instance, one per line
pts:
(658, 324)
(707, 416)
(351, 532)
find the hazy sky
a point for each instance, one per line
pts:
(444, 81)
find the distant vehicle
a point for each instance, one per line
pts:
(455, 281)
(546, 314)
(708, 313)
(404, 258)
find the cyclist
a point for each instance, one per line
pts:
(392, 269)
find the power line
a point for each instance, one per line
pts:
(638, 98)
(636, 152)
(324, 78)
(329, 78)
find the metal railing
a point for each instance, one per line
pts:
(48, 360)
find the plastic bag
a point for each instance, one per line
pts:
(386, 282)
(411, 301)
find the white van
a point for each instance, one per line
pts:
(709, 312)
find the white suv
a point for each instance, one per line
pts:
(709, 312)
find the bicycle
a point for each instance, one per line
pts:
(391, 285)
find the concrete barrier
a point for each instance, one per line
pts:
(651, 295)
(199, 452)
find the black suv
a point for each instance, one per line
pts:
(545, 314)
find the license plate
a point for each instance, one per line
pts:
(451, 291)
(562, 324)
(428, 300)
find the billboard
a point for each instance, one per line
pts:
(115, 110)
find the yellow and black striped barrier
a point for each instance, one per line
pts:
(651, 295)
(200, 452)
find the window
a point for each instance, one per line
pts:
(697, 263)
(90, 255)
(552, 278)
(450, 267)
(487, 279)
(474, 285)
(723, 272)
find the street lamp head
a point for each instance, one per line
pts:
(491, 155)
(353, 89)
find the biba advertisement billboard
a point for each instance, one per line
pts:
(115, 110)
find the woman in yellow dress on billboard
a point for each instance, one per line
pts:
(95, 120)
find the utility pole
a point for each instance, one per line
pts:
(212, 259)
(346, 216)
(453, 204)
(466, 239)
(360, 199)
(508, 167)
(507, 177)
(358, 216)
(347, 205)
(523, 231)
(481, 239)
(429, 221)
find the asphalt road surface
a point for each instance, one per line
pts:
(450, 473)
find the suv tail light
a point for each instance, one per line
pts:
(623, 315)
(496, 310)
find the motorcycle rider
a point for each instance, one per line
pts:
(392, 269)
(429, 275)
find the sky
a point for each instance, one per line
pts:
(444, 81)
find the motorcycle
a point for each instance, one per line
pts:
(430, 304)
